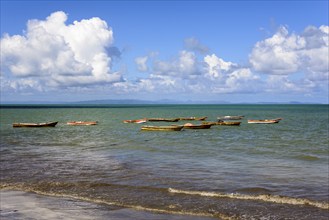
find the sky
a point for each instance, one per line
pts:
(211, 51)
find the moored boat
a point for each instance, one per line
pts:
(194, 118)
(162, 128)
(230, 117)
(200, 126)
(45, 124)
(227, 123)
(265, 121)
(137, 121)
(81, 123)
(164, 119)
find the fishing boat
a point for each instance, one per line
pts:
(75, 123)
(265, 121)
(200, 126)
(164, 119)
(226, 123)
(194, 118)
(162, 128)
(137, 121)
(230, 117)
(45, 124)
(229, 123)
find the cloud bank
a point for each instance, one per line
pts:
(282, 63)
(53, 55)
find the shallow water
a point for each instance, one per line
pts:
(250, 171)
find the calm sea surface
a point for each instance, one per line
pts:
(251, 171)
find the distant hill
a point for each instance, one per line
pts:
(148, 102)
(114, 101)
(169, 101)
(136, 102)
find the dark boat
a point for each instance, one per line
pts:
(226, 123)
(164, 119)
(194, 118)
(229, 123)
(162, 128)
(45, 124)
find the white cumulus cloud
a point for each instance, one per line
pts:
(51, 53)
(188, 73)
(216, 66)
(285, 53)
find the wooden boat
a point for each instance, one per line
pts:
(75, 123)
(229, 117)
(227, 123)
(265, 121)
(162, 128)
(137, 121)
(194, 118)
(45, 124)
(193, 126)
(164, 119)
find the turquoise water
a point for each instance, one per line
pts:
(249, 171)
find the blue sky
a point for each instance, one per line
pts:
(237, 51)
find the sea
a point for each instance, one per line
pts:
(251, 171)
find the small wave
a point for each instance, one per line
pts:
(265, 198)
(170, 210)
(308, 157)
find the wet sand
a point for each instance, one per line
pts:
(16, 205)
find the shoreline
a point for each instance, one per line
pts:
(27, 205)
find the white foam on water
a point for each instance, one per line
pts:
(31, 202)
(265, 198)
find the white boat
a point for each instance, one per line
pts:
(137, 121)
(76, 123)
(230, 117)
(265, 121)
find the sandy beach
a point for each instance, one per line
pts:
(23, 205)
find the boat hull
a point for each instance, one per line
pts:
(265, 121)
(161, 128)
(194, 118)
(192, 126)
(77, 123)
(137, 121)
(225, 123)
(228, 117)
(164, 119)
(35, 125)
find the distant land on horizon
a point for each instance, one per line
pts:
(143, 102)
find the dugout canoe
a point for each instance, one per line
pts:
(35, 125)
(265, 121)
(162, 128)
